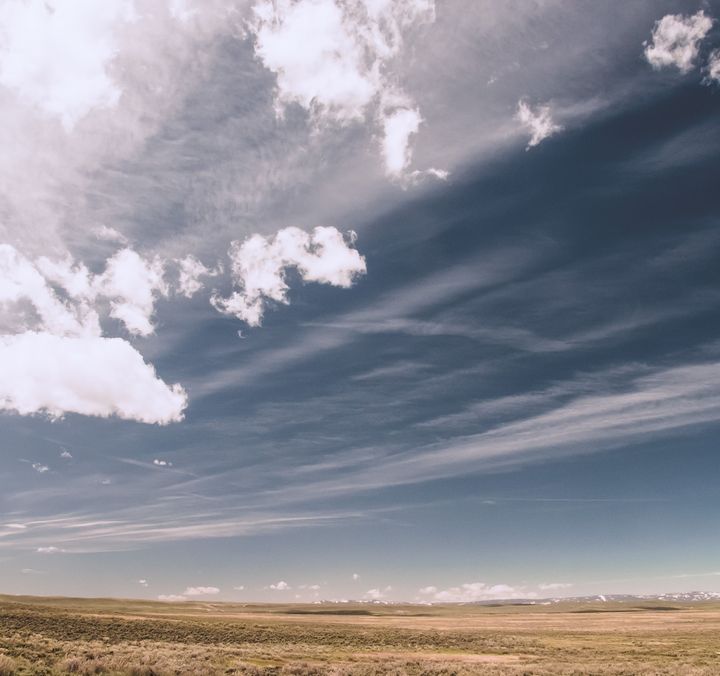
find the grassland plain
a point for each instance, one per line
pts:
(108, 636)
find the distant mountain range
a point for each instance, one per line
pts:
(687, 597)
(621, 598)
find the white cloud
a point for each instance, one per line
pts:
(554, 586)
(55, 53)
(713, 66)
(27, 300)
(66, 454)
(676, 39)
(16, 526)
(171, 598)
(52, 353)
(162, 463)
(240, 587)
(476, 591)
(191, 270)
(108, 234)
(87, 375)
(259, 265)
(398, 126)
(40, 468)
(201, 591)
(143, 583)
(318, 57)
(280, 586)
(355, 576)
(132, 283)
(377, 594)
(334, 58)
(538, 122)
(48, 550)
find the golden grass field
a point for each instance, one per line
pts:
(107, 636)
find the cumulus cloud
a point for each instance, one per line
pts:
(132, 283)
(201, 591)
(27, 300)
(280, 586)
(171, 598)
(377, 594)
(676, 39)
(53, 355)
(108, 234)
(143, 583)
(40, 468)
(66, 454)
(54, 54)
(475, 591)
(48, 550)
(537, 121)
(398, 127)
(332, 57)
(191, 270)
(554, 586)
(162, 463)
(259, 266)
(88, 375)
(713, 66)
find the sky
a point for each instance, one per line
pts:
(385, 300)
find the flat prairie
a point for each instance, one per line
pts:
(112, 636)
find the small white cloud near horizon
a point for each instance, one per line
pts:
(49, 550)
(143, 583)
(171, 598)
(259, 267)
(537, 121)
(675, 41)
(280, 586)
(355, 576)
(201, 591)
(476, 591)
(554, 586)
(240, 587)
(377, 594)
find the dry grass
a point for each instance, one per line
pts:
(76, 636)
(8, 666)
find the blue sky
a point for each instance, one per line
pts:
(492, 372)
